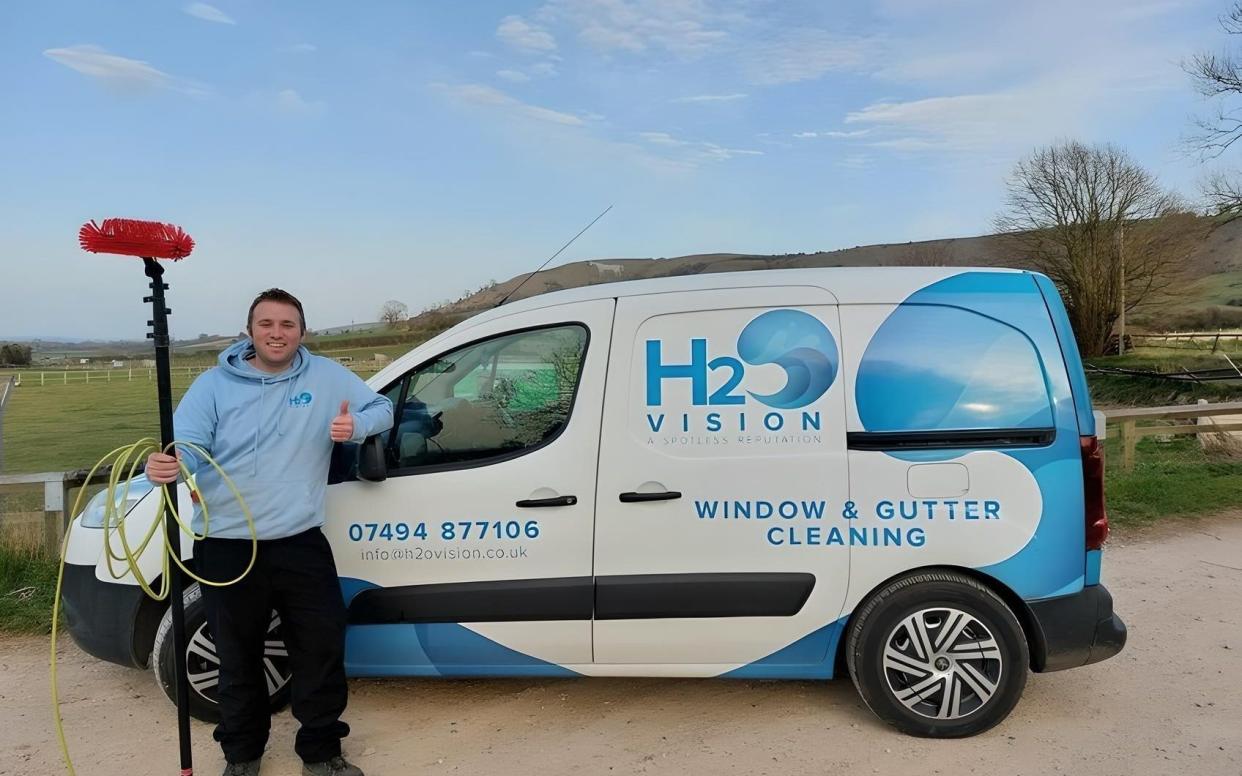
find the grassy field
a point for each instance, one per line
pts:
(27, 589)
(59, 427)
(1173, 477)
(367, 353)
(1221, 288)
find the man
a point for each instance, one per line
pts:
(269, 415)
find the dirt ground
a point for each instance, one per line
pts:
(1168, 704)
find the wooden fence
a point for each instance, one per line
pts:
(41, 377)
(57, 494)
(1198, 419)
(1191, 341)
(6, 390)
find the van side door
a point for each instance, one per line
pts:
(722, 479)
(474, 556)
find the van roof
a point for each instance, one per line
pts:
(850, 285)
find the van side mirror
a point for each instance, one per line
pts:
(371, 464)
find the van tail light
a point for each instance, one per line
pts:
(1093, 491)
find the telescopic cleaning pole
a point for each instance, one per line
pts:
(149, 241)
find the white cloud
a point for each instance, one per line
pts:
(912, 144)
(712, 98)
(208, 13)
(682, 27)
(696, 151)
(720, 152)
(963, 122)
(537, 70)
(524, 36)
(478, 94)
(661, 138)
(906, 66)
(854, 161)
(289, 101)
(834, 133)
(120, 72)
(805, 55)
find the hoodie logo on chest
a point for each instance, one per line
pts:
(303, 399)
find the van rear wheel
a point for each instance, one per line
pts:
(937, 654)
(203, 666)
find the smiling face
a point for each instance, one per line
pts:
(276, 328)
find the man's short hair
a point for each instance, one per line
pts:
(276, 295)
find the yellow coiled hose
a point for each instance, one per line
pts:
(125, 463)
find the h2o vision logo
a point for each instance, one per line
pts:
(796, 341)
(303, 399)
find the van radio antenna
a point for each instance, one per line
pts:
(553, 256)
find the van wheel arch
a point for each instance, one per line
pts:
(147, 621)
(1012, 600)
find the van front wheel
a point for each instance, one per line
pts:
(937, 654)
(203, 666)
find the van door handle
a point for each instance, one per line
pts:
(556, 501)
(631, 497)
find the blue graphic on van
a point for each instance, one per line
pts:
(798, 343)
(794, 340)
(303, 399)
(431, 649)
(1051, 563)
(971, 372)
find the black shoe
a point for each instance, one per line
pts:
(337, 766)
(250, 768)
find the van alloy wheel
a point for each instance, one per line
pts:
(942, 663)
(203, 665)
(937, 653)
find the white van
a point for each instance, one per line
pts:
(781, 474)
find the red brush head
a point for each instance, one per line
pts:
(148, 239)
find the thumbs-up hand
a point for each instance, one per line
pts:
(343, 424)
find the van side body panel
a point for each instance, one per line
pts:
(966, 352)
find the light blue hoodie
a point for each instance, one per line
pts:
(270, 434)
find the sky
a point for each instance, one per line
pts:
(358, 152)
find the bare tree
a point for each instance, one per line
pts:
(1222, 193)
(926, 254)
(1101, 227)
(1218, 77)
(393, 312)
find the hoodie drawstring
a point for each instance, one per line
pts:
(259, 423)
(280, 413)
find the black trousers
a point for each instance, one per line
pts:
(297, 577)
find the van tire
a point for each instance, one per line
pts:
(202, 702)
(935, 632)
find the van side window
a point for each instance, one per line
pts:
(940, 368)
(492, 399)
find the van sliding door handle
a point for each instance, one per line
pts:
(557, 501)
(631, 497)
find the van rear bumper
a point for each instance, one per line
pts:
(1075, 630)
